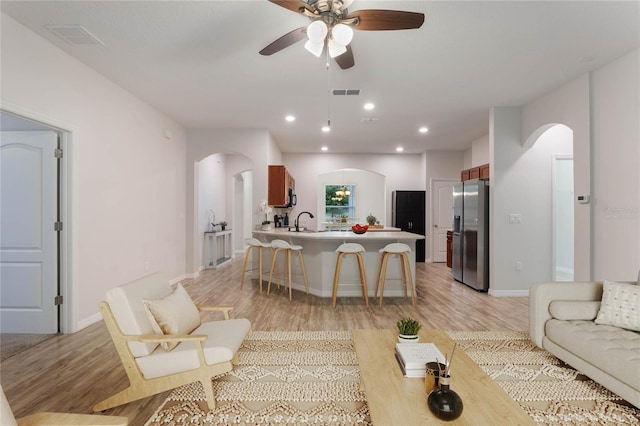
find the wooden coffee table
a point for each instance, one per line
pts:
(396, 400)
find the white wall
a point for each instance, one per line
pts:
(212, 190)
(127, 180)
(478, 153)
(616, 169)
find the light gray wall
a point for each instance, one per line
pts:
(127, 194)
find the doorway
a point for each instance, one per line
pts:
(30, 174)
(442, 204)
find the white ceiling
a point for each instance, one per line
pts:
(198, 62)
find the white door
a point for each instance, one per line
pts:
(442, 202)
(28, 242)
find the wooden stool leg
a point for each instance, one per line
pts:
(403, 270)
(363, 279)
(411, 286)
(375, 292)
(289, 269)
(260, 268)
(273, 263)
(304, 271)
(384, 276)
(336, 278)
(244, 268)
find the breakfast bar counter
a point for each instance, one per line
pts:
(320, 260)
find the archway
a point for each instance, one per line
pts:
(554, 143)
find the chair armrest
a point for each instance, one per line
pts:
(224, 309)
(158, 338)
(542, 294)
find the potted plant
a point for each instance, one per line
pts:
(408, 330)
(223, 225)
(266, 225)
(371, 219)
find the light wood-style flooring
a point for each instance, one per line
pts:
(70, 373)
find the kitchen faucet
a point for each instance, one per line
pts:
(296, 223)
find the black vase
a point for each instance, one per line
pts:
(444, 403)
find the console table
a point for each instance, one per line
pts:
(217, 248)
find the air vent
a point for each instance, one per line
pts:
(345, 92)
(369, 120)
(74, 34)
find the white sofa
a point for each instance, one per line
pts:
(562, 320)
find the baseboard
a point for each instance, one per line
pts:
(97, 317)
(508, 293)
(178, 279)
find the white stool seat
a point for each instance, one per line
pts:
(354, 249)
(257, 244)
(280, 245)
(351, 248)
(400, 250)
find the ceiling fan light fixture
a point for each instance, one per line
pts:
(335, 49)
(346, 4)
(313, 47)
(317, 31)
(342, 34)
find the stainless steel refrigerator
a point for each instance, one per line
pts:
(470, 263)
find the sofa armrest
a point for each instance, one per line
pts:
(542, 294)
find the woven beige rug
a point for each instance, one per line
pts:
(293, 378)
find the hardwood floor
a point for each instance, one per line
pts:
(70, 373)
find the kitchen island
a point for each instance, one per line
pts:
(320, 260)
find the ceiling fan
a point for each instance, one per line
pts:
(332, 27)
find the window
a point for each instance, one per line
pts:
(339, 202)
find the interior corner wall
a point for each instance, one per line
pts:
(255, 144)
(616, 169)
(480, 151)
(127, 199)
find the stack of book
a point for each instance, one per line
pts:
(412, 357)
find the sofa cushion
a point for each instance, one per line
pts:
(620, 305)
(612, 349)
(129, 311)
(174, 314)
(224, 339)
(574, 309)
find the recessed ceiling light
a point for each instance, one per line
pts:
(326, 129)
(290, 118)
(369, 106)
(325, 148)
(423, 129)
(399, 149)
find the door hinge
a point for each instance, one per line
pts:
(58, 153)
(57, 226)
(58, 300)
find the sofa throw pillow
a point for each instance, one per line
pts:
(620, 305)
(175, 314)
(573, 310)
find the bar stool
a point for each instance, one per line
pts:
(400, 250)
(281, 245)
(257, 244)
(355, 249)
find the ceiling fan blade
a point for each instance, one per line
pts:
(380, 20)
(284, 41)
(345, 61)
(293, 5)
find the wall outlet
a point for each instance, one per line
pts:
(518, 266)
(146, 266)
(515, 218)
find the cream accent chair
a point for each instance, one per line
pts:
(67, 419)
(209, 350)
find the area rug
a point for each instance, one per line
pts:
(293, 378)
(551, 392)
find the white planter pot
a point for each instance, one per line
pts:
(404, 338)
(266, 227)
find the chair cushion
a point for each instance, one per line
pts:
(174, 314)
(225, 338)
(129, 311)
(620, 306)
(6, 415)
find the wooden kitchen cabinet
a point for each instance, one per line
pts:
(479, 172)
(279, 185)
